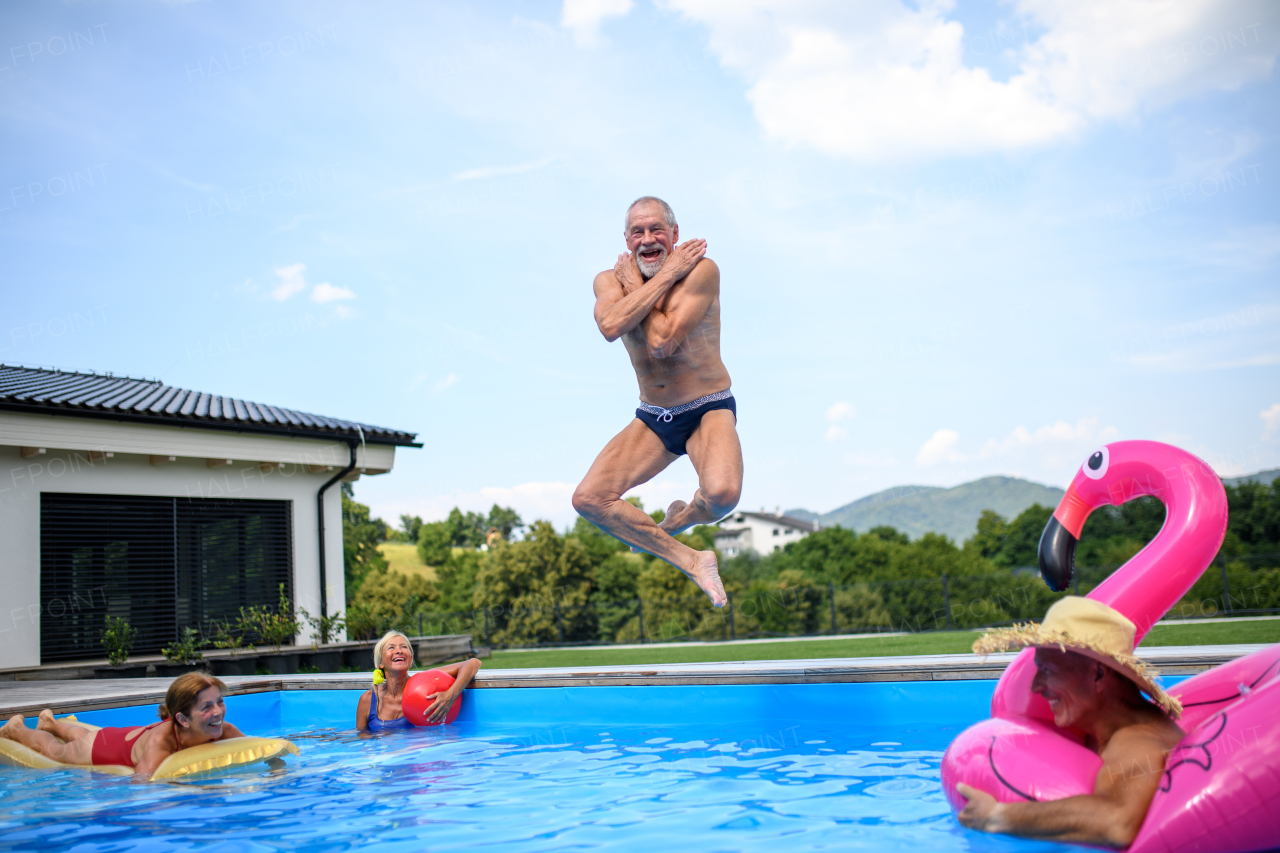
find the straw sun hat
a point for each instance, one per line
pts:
(1090, 628)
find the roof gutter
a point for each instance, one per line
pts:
(324, 588)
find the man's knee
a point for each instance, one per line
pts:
(722, 497)
(588, 502)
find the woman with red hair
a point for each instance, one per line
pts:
(193, 713)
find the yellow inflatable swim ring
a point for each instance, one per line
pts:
(205, 758)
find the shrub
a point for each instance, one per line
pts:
(117, 638)
(326, 628)
(272, 626)
(184, 648)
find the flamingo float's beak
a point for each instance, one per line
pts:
(1059, 539)
(1057, 555)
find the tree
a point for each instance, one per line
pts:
(1254, 525)
(384, 601)
(435, 543)
(1009, 544)
(505, 520)
(525, 581)
(990, 537)
(410, 526)
(1022, 546)
(456, 580)
(889, 534)
(466, 530)
(361, 536)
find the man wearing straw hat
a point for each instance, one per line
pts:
(1086, 669)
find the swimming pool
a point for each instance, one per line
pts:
(725, 767)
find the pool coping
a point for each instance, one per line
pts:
(67, 697)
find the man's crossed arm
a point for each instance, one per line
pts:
(625, 301)
(1132, 765)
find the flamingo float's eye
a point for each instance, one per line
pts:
(1095, 468)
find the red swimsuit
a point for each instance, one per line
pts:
(115, 745)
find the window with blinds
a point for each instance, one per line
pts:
(163, 564)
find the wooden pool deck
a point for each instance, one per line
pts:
(65, 697)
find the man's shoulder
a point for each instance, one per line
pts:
(705, 274)
(707, 266)
(1153, 735)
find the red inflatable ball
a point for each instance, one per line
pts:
(421, 685)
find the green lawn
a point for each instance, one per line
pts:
(403, 557)
(940, 643)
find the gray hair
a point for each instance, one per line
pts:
(667, 213)
(382, 645)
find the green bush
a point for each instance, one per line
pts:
(117, 638)
(184, 649)
(326, 628)
(272, 626)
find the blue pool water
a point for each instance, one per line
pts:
(742, 767)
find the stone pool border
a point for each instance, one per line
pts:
(67, 697)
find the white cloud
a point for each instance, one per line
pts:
(496, 171)
(326, 292)
(584, 17)
(1271, 418)
(292, 281)
(446, 383)
(836, 433)
(879, 80)
(1054, 446)
(840, 412)
(941, 447)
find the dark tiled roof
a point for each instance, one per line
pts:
(42, 391)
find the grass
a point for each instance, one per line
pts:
(1215, 633)
(403, 557)
(939, 643)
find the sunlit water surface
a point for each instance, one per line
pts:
(701, 787)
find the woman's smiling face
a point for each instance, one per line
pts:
(397, 655)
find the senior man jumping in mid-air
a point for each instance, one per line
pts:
(663, 300)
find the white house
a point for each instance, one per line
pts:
(759, 532)
(169, 508)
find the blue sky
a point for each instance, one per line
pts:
(955, 239)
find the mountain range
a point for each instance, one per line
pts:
(916, 510)
(1264, 477)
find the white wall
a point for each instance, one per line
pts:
(22, 481)
(757, 533)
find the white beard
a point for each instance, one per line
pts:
(649, 270)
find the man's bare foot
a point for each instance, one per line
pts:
(46, 722)
(706, 574)
(673, 512)
(17, 721)
(665, 525)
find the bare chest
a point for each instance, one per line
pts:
(701, 344)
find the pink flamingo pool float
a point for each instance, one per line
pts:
(1220, 790)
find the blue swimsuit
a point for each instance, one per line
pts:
(674, 426)
(376, 725)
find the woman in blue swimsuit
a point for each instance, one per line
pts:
(379, 708)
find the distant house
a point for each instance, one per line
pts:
(168, 508)
(760, 532)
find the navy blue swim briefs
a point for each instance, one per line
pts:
(674, 426)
